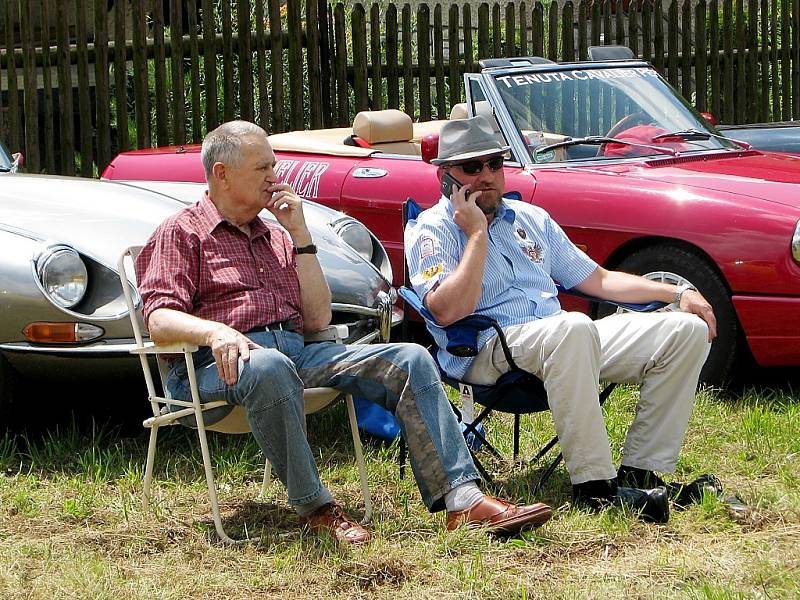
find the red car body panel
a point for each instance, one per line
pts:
(714, 203)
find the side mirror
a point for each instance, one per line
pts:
(18, 160)
(710, 118)
(430, 147)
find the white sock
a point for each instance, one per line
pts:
(463, 497)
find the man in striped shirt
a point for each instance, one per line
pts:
(217, 276)
(475, 252)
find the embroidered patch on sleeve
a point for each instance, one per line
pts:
(426, 247)
(432, 271)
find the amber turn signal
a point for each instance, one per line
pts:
(42, 332)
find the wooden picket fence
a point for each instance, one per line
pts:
(80, 82)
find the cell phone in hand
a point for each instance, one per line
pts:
(448, 181)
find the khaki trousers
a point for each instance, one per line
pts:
(662, 351)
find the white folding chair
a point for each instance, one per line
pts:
(165, 413)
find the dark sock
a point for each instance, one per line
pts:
(598, 489)
(638, 478)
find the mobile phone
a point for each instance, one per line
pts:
(448, 181)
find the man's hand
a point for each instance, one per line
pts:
(287, 208)
(466, 213)
(228, 345)
(693, 302)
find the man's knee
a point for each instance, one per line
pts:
(269, 377)
(692, 331)
(574, 328)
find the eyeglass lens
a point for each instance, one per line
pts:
(476, 166)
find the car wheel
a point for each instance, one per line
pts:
(675, 265)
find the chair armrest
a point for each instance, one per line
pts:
(636, 307)
(462, 336)
(177, 348)
(332, 333)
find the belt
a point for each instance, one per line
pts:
(287, 325)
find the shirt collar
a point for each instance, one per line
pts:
(210, 218)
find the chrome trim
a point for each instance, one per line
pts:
(369, 173)
(115, 347)
(796, 243)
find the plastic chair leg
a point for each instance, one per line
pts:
(362, 468)
(267, 480)
(148, 469)
(212, 488)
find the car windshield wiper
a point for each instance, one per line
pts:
(684, 134)
(696, 134)
(597, 140)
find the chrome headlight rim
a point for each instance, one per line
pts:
(47, 261)
(356, 236)
(795, 244)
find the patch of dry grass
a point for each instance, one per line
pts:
(72, 525)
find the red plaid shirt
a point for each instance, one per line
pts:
(198, 263)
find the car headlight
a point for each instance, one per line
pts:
(63, 275)
(796, 242)
(356, 236)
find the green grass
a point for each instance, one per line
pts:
(72, 523)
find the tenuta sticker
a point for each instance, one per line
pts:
(576, 75)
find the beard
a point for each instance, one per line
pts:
(489, 205)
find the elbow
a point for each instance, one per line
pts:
(446, 316)
(318, 322)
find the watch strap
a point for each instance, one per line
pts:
(309, 249)
(680, 290)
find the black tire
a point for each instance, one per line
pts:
(690, 267)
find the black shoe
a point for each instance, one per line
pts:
(652, 505)
(684, 494)
(681, 494)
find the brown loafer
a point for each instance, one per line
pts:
(494, 514)
(333, 520)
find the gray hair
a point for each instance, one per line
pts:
(224, 144)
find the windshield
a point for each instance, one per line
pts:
(633, 105)
(5, 159)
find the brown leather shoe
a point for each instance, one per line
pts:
(498, 515)
(333, 520)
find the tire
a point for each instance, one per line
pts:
(673, 264)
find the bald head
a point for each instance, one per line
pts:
(226, 144)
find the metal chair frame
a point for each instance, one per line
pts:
(517, 392)
(165, 414)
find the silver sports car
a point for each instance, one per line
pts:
(62, 313)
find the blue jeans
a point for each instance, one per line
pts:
(400, 377)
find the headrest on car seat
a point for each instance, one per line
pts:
(459, 111)
(482, 107)
(383, 126)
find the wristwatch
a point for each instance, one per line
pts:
(310, 249)
(680, 289)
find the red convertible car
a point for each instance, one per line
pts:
(637, 178)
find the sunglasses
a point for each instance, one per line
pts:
(474, 167)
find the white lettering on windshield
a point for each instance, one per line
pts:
(578, 75)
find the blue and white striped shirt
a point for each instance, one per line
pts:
(527, 252)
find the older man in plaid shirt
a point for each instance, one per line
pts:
(216, 275)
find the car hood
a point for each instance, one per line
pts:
(101, 218)
(764, 176)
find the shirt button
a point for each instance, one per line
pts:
(261, 270)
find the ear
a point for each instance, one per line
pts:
(219, 172)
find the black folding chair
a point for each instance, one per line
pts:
(517, 391)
